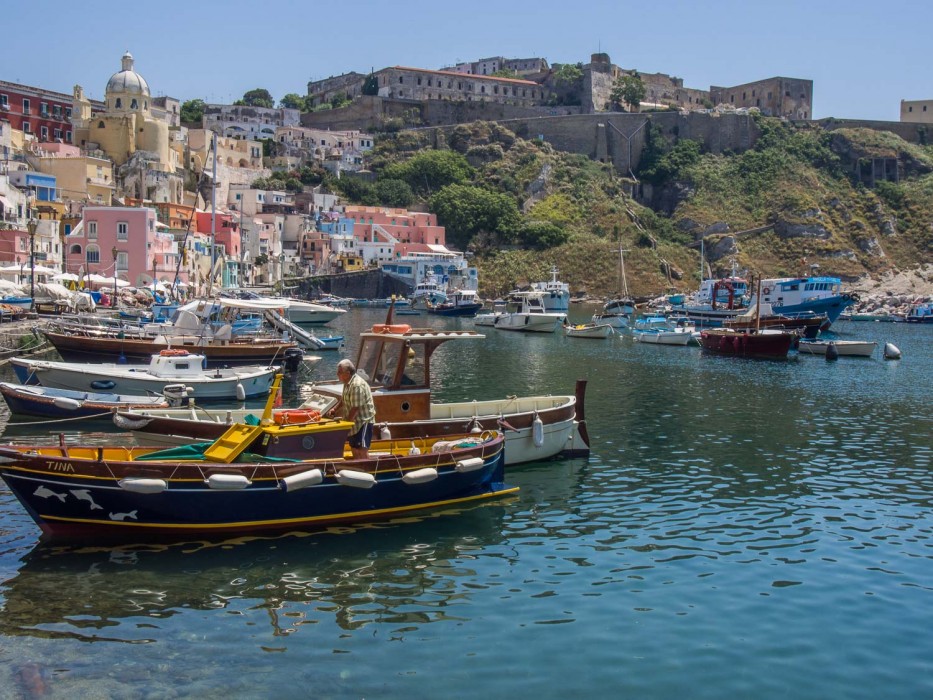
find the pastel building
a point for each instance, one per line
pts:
(122, 242)
(80, 178)
(920, 111)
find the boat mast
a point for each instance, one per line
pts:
(758, 306)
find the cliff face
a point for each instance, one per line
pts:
(854, 202)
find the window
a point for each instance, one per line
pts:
(27, 129)
(25, 106)
(134, 104)
(68, 136)
(67, 112)
(93, 254)
(122, 231)
(4, 101)
(118, 104)
(123, 260)
(44, 109)
(74, 250)
(92, 230)
(57, 133)
(44, 132)
(57, 111)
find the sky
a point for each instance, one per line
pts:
(863, 57)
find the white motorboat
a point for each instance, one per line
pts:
(172, 366)
(556, 293)
(658, 330)
(844, 348)
(299, 312)
(525, 312)
(589, 330)
(488, 318)
(395, 360)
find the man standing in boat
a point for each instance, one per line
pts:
(358, 407)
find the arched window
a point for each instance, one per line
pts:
(93, 254)
(118, 104)
(134, 104)
(74, 250)
(100, 125)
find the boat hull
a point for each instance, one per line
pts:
(83, 348)
(529, 323)
(62, 403)
(121, 379)
(598, 331)
(844, 348)
(461, 310)
(774, 345)
(657, 337)
(77, 491)
(560, 425)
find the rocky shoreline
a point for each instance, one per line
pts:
(894, 293)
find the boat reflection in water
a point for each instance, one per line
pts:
(414, 567)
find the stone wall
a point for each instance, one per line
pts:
(366, 284)
(912, 132)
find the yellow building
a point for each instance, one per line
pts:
(79, 178)
(127, 124)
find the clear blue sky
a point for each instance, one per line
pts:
(863, 57)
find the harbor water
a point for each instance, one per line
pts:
(742, 529)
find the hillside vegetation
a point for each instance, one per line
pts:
(800, 197)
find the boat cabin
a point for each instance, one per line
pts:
(396, 362)
(176, 363)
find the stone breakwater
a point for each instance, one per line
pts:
(894, 293)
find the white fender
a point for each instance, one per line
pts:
(240, 392)
(385, 433)
(360, 480)
(126, 423)
(537, 431)
(420, 476)
(891, 352)
(66, 404)
(413, 450)
(141, 485)
(470, 465)
(227, 482)
(303, 480)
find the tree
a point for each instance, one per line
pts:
(260, 97)
(468, 211)
(394, 193)
(371, 85)
(293, 101)
(341, 99)
(504, 73)
(628, 89)
(542, 234)
(429, 171)
(192, 111)
(567, 74)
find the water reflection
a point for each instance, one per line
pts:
(408, 572)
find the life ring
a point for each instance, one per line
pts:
(386, 328)
(294, 416)
(766, 290)
(173, 352)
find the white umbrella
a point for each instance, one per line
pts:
(65, 277)
(43, 270)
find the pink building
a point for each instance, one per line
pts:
(372, 224)
(226, 230)
(125, 239)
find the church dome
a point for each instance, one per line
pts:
(128, 81)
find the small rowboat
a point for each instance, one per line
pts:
(844, 348)
(48, 402)
(589, 330)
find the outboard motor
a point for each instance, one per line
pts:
(291, 359)
(175, 394)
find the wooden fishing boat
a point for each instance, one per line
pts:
(88, 346)
(844, 348)
(396, 361)
(747, 343)
(254, 478)
(48, 402)
(762, 316)
(589, 330)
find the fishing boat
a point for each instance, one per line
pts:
(556, 293)
(749, 342)
(49, 402)
(792, 296)
(89, 345)
(174, 366)
(588, 330)
(617, 312)
(461, 302)
(920, 313)
(658, 330)
(396, 360)
(254, 478)
(525, 312)
(428, 292)
(807, 324)
(844, 348)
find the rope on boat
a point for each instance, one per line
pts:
(60, 420)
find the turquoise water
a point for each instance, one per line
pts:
(743, 528)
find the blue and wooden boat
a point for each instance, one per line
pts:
(49, 402)
(254, 478)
